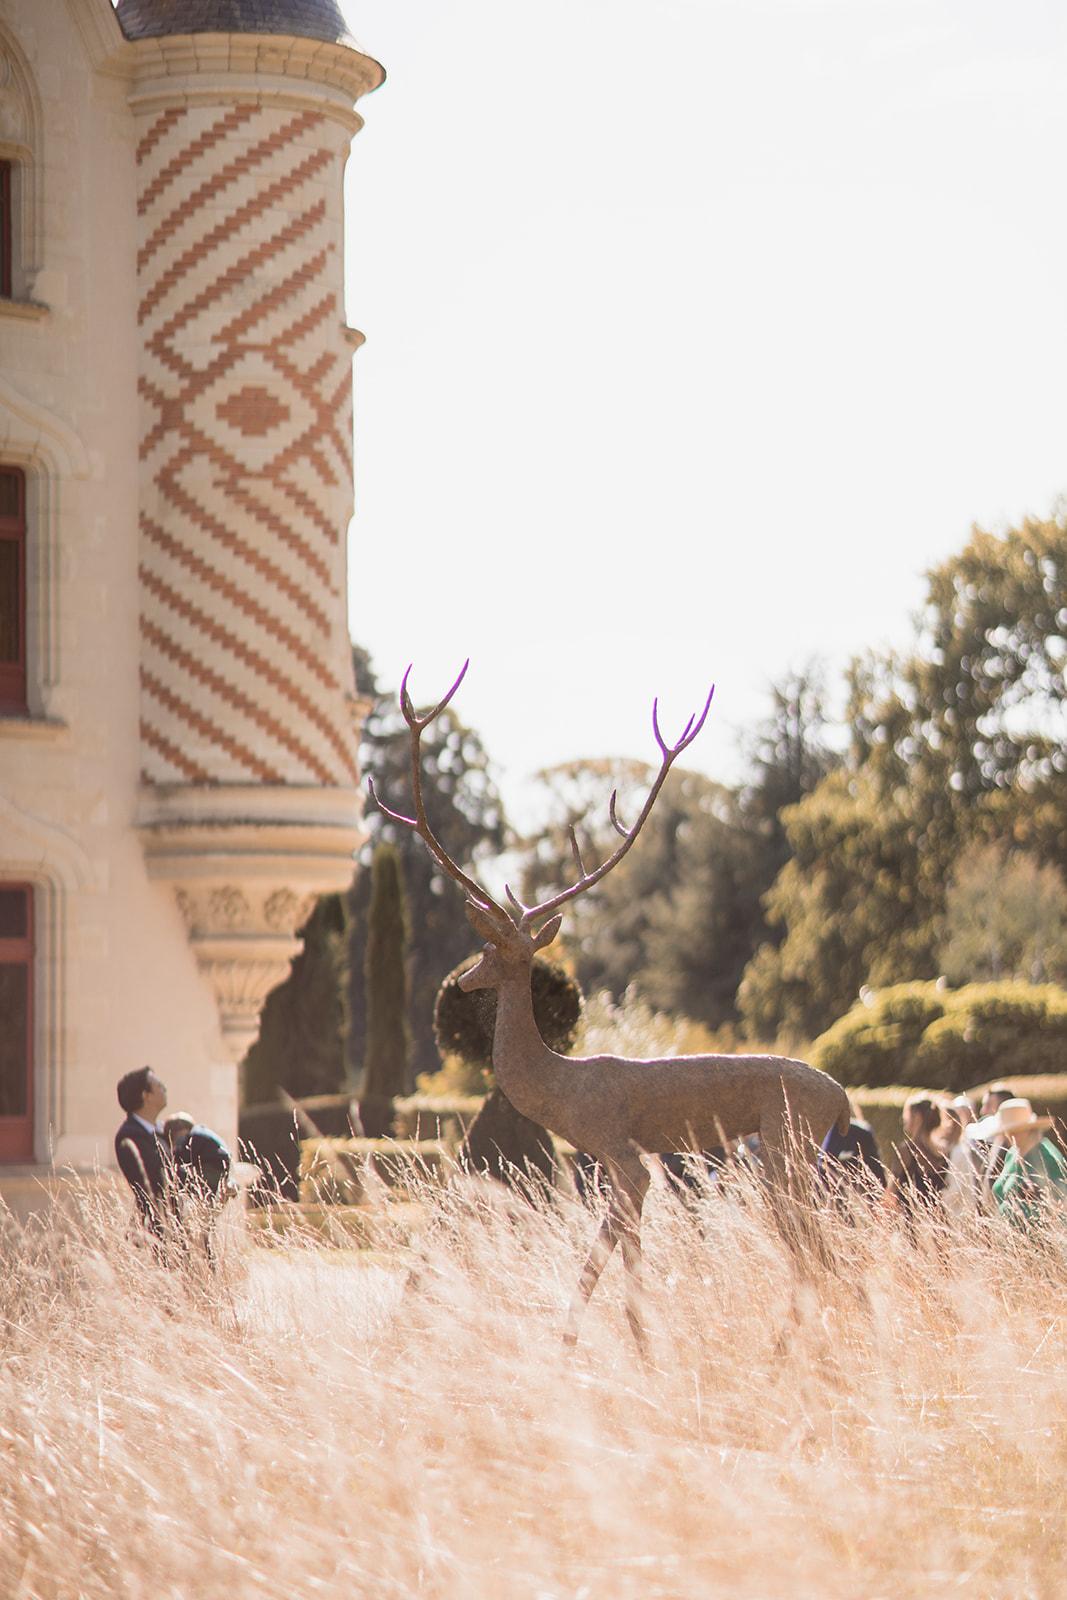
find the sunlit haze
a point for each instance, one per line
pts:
(696, 331)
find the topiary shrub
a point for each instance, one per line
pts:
(924, 1036)
(875, 1043)
(501, 1142)
(463, 1023)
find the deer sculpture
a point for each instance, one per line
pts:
(611, 1107)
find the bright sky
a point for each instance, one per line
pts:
(696, 331)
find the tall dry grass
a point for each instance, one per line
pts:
(311, 1422)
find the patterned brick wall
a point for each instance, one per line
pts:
(246, 469)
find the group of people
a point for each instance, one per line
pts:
(180, 1171)
(996, 1158)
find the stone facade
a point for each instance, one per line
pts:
(175, 386)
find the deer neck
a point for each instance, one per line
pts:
(530, 1074)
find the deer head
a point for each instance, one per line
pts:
(508, 951)
(510, 942)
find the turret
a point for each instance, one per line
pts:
(249, 803)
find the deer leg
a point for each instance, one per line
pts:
(629, 1183)
(595, 1262)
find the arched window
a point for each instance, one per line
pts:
(16, 1034)
(21, 175)
(12, 591)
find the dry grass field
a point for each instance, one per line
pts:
(323, 1422)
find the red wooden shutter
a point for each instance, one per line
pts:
(12, 590)
(16, 1022)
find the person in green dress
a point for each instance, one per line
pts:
(1034, 1176)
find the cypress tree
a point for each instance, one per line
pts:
(386, 1060)
(301, 1047)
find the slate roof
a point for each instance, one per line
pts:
(301, 19)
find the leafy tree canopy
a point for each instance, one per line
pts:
(1005, 917)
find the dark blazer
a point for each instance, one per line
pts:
(852, 1158)
(144, 1160)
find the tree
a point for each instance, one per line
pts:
(386, 1060)
(957, 743)
(852, 907)
(974, 721)
(789, 754)
(1005, 917)
(300, 1046)
(467, 816)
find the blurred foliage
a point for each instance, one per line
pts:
(386, 1058)
(1005, 917)
(958, 744)
(854, 906)
(680, 916)
(467, 816)
(300, 1047)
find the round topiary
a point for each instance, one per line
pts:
(463, 1023)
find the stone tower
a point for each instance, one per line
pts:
(248, 724)
(177, 719)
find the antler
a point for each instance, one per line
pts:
(419, 822)
(586, 880)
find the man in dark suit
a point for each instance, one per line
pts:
(143, 1154)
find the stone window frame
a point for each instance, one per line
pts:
(49, 453)
(54, 867)
(24, 158)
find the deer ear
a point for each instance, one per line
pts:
(482, 922)
(548, 932)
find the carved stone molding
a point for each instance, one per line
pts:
(241, 976)
(246, 866)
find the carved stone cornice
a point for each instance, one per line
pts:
(246, 865)
(216, 68)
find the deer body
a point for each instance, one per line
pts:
(605, 1104)
(611, 1107)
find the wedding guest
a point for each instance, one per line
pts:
(994, 1145)
(851, 1161)
(1034, 1175)
(963, 1181)
(919, 1173)
(140, 1149)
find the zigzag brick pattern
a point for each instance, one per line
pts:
(246, 472)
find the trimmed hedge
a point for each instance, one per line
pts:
(269, 1136)
(463, 1023)
(343, 1171)
(920, 1035)
(447, 1117)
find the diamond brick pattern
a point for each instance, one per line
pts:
(245, 449)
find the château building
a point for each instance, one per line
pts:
(178, 722)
